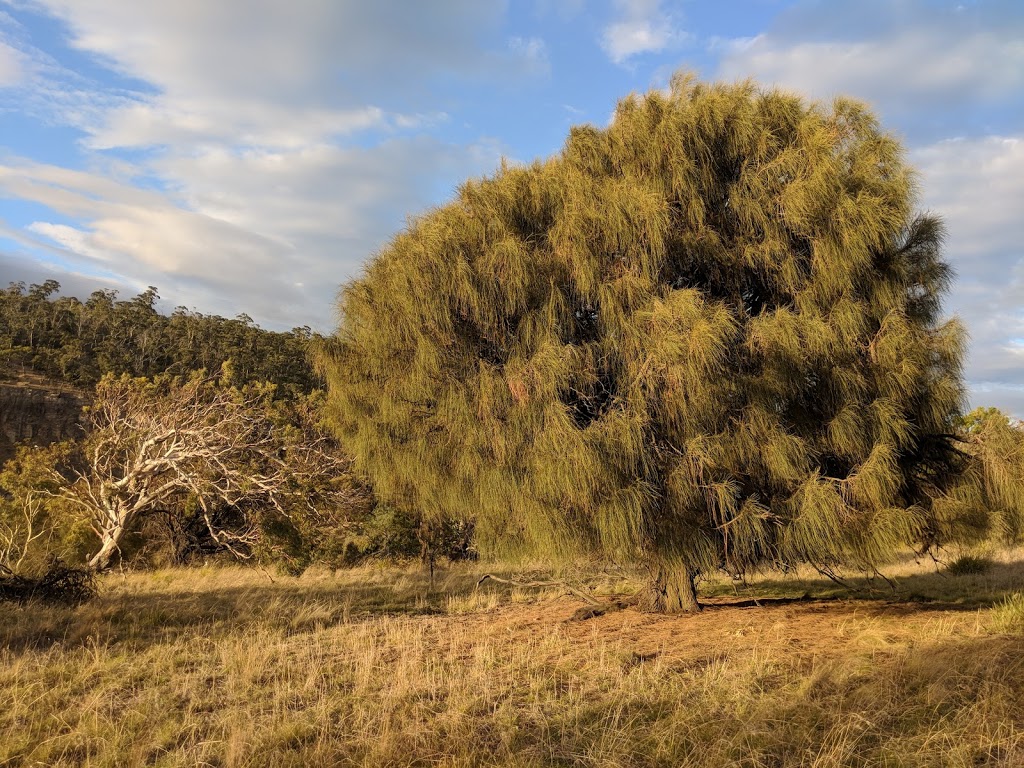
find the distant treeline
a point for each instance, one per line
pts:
(78, 342)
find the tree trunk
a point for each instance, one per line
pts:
(672, 590)
(427, 539)
(101, 560)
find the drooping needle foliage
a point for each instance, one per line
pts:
(708, 334)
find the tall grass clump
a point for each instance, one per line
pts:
(970, 565)
(1008, 615)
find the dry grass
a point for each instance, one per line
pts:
(368, 667)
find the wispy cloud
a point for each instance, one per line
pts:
(912, 57)
(11, 68)
(272, 233)
(640, 26)
(915, 69)
(533, 51)
(142, 124)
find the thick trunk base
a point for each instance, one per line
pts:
(671, 591)
(102, 559)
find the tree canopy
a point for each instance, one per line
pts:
(707, 335)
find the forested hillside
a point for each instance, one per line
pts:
(78, 341)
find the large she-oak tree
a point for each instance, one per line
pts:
(705, 336)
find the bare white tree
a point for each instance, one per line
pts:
(151, 445)
(19, 533)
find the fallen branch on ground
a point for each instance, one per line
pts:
(60, 584)
(538, 584)
(593, 607)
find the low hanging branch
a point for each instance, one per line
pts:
(593, 608)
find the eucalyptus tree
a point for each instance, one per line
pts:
(189, 450)
(706, 335)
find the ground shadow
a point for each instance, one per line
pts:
(287, 605)
(992, 585)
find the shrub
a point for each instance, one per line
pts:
(969, 565)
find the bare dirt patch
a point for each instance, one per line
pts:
(726, 628)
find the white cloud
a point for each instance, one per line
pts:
(642, 26)
(920, 66)
(267, 72)
(71, 239)
(136, 231)
(142, 124)
(11, 67)
(533, 51)
(977, 186)
(269, 232)
(242, 48)
(904, 56)
(274, 146)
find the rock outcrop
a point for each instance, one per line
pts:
(38, 411)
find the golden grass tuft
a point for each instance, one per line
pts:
(1008, 616)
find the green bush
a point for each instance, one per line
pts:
(392, 533)
(969, 565)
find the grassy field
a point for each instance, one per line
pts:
(223, 667)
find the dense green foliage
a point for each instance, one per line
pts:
(987, 498)
(35, 523)
(78, 342)
(706, 335)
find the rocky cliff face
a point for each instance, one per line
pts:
(38, 412)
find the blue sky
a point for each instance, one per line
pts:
(251, 155)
